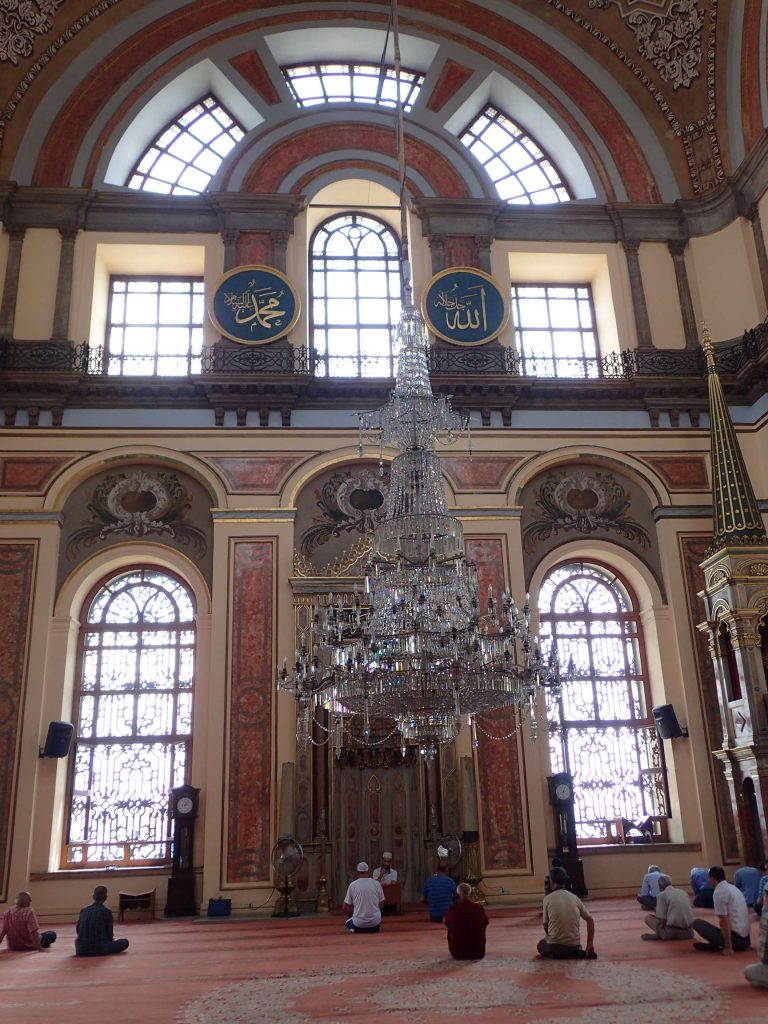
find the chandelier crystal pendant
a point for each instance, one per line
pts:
(416, 649)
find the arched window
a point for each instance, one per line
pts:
(601, 728)
(521, 171)
(349, 82)
(354, 284)
(133, 715)
(188, 152)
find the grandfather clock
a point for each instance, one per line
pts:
(181, 885)
(562, 800)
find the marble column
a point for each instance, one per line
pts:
(285, 821)
(677, 252)
(230, 249)
(753, 215)
(642, 323)
(11, 284)
(64, 285)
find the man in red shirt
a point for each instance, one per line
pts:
(21, 929)
(466, 923)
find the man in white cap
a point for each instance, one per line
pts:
(363, 902)
(386, 876)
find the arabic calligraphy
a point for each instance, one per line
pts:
(254, 305)
(259, 307)
(456, 306)
(465, 306)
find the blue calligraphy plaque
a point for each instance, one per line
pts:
(465, 306)
(254, 305)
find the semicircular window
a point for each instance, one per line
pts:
(519, 168)
(188, 152)
(312, 84)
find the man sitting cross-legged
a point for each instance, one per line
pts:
(20, 927)
(732, 915)
(673, 918)
(466, 923)
(562, 915)
(363, 902)
(94, 928)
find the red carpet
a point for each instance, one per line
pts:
(309, 969)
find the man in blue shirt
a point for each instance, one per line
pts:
(438, 893)
(762, 892)
(748, 880)
(649, 890)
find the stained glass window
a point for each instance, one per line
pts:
(188, 151)
(519, 168)
(601, 729)
(312, 84)
(133, 715)
(555, 330)
(355, 296)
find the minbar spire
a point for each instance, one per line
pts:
(736, 516)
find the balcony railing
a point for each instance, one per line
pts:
(444, 361)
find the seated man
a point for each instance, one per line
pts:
(95, 928)
(386, 875)
(466, 923)
(562, 912)
(732, 916)
(557, 863)
(363, 902)
(21, 929)
(438, 892)
(700, 887)
(757, 974)
(649, 890)
(673, 917)
(748, 879)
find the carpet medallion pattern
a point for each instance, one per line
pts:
(432, 989)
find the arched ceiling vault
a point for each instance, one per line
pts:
(662, 99)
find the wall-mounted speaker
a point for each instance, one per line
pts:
(667, 724)
(58, 740)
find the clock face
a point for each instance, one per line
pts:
(184, 805)
(563, 791)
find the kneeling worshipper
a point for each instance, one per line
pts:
(757, 974)
(673, 918)
(386, 876)
(363, 902)
(466, 923)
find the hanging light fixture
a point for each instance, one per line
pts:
(416, 649)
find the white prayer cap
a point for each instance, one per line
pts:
(386, 855)
(362, 867)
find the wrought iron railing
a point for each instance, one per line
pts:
(449, 361)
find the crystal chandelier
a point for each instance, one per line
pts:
(416, 649)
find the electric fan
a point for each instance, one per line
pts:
(449, 851)
(287, 858)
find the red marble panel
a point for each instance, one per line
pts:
(680, 473)
(751, 59)
(29, 475)
(262, 474)
(460, 251)
(451, 78)
(255, 248)
(502, 819)
(271, 168)
(250, 713)
(694, 550)
(17, 564)
(250, 66)
(478, 474)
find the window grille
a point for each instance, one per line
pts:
(555, 330)
(133, 714)
(188, 152)
(354, 296)
(601, 729)
(312, 84)
(519, 168)
(155, 326)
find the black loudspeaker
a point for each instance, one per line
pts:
(58, 740)
(667, 724)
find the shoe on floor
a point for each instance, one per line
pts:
(650, 937)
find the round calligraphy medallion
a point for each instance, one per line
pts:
(465, 306)
(254, 305)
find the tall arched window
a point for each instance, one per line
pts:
(601, 728)
(133, 714)
(354, 280)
